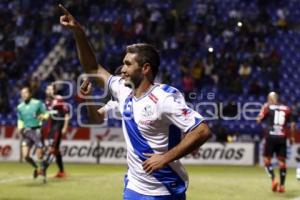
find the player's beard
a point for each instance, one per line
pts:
(134, 81)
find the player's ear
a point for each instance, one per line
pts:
(146, 69)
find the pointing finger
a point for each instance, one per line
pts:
(89, 87)
(64, 10)
(85, 85)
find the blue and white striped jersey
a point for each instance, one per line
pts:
(153, 123)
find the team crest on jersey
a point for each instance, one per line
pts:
(185, 112)
(148, 111)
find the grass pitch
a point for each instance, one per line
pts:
(105, 182)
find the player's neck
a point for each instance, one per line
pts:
(50, 97)
(143, 88)
(27, 101)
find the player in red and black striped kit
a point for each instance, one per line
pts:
(58, 127)
(277, 117)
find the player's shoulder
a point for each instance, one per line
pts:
(20, 105)
(115, 79)
(163, 91)
(166, 90)
(285, 108)
(36, 101)
(282, 107)
(116, 85)
(58, 98)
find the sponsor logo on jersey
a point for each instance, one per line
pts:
(147, 122)
(148, 111)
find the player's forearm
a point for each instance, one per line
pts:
(66, 121)
(85, 52)
(293, 130)
(88, 59)
(94, 116)
(20, 124)
(190, 142)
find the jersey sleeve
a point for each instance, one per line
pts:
(292, 116)
(43, 110)
(111, 105)
(113, 85)
(20, 122)
(175, 109)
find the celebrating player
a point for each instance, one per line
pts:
(58, 124)
(31, 112)
(148, 112)
(277, 116)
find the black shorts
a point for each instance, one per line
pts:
(33, 136)
(55, 135)
(275, 145)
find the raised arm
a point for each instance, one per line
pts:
(84, 49)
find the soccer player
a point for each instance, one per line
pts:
(277, 116)
(58, 123)
(149, 113)
(31, 112)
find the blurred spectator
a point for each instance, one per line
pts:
(163, 77)
(197, 72)
(245, 70)
(281, 14)
(4, 86)
(188, 86)
(220, 133)
(182, 35)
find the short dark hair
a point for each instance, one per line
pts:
(26, 87)
(146, 54)
(54, 87)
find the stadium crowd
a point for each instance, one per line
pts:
(206, 46)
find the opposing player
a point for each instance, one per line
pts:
(58, 123)
(31, 112)
(277, 117)
(149, 111)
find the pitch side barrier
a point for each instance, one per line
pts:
(114, 152)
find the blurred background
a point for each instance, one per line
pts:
(222, 54)
(225, 56)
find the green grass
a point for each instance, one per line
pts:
(105, 182)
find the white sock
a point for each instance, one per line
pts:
(298, 172)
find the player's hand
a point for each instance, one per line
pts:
(258, 120)
(64, 130)
(195, 152)
(67, 20)
(292, 140)
(40, 117)
(153, 163)
(86, 87)
(20, 131)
